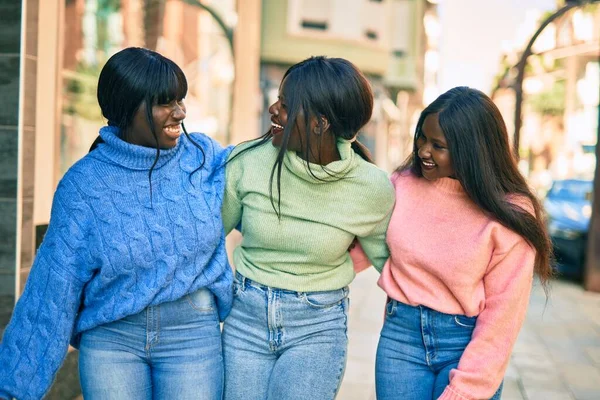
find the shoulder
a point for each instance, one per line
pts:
(251, 158)
(214, 151)
(406, 181)
(71, 200)
(522, 202)
(505, 238)
(376, 182)
(404, 176)
(80, 172)
(252, 154)
(374, 174)
(204, 140)
(254, 146)
(207, 143)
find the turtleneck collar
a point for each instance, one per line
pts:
(449, 185)
(130, 155)
(323, 173)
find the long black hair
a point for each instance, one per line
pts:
(136, 76)
(321, 87)
(485, 166)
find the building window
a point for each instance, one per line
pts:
(357, 21)
(310, 16)
(370, 34)
(320, 26)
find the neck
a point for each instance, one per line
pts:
(324, 153)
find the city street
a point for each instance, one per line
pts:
(557, 355)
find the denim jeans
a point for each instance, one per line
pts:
(168, 351)
(280, 344)
(417, 349)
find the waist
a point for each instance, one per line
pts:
(244, 282)
(444, 294)
(297, 277)
(420, 311)
(174, 312)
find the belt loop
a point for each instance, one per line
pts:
(243, 282)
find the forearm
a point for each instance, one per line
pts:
(37, 338)
(484, 361)
(359, 258)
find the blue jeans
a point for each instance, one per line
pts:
(417, 349)
(281, 344)
(168, 351)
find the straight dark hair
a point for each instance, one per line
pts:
(136, 76)
(485, 166)
(318, 87)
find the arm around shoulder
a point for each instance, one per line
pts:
(373, 246)
(231, 211)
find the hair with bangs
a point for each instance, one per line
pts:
(134, 77)
(318, 87)
(485, 166)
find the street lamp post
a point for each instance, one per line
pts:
(518, 85)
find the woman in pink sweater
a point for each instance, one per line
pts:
(465, 239)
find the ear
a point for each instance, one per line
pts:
(321, 125)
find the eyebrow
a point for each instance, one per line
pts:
(438, 141)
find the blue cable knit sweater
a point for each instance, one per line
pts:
(111, 250)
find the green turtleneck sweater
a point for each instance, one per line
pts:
(307, 249)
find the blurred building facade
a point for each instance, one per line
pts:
(389, 40)
(53, 50)
(561, 97)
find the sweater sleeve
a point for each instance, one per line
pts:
(37, 338)
(507, 285)
(231, 211)
(373, 247)
(219, 152)
(374, 244)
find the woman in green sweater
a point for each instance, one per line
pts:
(301, 194)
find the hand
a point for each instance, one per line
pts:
(353, 244)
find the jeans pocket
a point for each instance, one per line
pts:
(201, 300)
(464, 321)
(321, 300)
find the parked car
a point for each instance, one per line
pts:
(568, 206)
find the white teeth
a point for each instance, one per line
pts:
(428, 164)
(173, 128)
(276, 125)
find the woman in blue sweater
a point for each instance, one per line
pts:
(133, 269)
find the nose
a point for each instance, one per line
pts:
(274, 109)
(179, 112)
(424, 151)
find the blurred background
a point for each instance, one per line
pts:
(537, 59)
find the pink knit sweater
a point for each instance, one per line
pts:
(448, 255)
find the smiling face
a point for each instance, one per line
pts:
(167, 119)
(279, 120)
(432, 150)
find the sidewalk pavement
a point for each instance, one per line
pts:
(556, 357)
